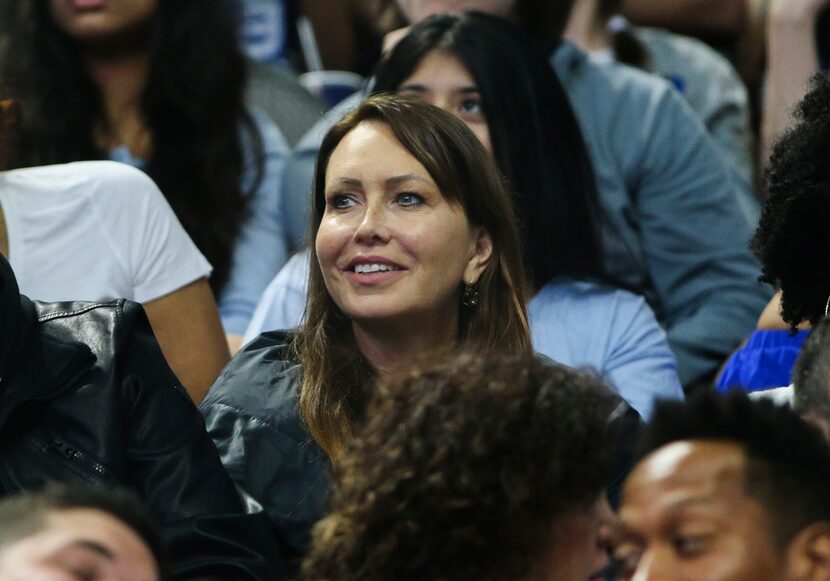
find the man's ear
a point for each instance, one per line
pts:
(808, 555)
(480, 256)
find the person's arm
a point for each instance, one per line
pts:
(694, 229)
(718, 17)
(187, 327)
(262, 247)
(640, 364)
(792, 60)
(175, 470)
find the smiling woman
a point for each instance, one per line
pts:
(417, 254)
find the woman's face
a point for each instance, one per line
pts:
(390, 246)
(104, 22)
(441, 79)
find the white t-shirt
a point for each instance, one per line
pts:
(94, 230)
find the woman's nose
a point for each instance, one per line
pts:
(373, 226)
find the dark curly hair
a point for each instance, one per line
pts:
(192, 105)
(789, 241)
(462, 469)
(811, 373)
(788, 460)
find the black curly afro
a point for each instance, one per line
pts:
(792, 240)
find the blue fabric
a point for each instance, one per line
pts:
(578, 324)
(677, 221)
(610, 331)
(766, 361)
(262, 247)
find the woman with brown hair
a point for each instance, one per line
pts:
(416, 254)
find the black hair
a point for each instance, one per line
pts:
(192, 105)
(811, 374)
(462, 470)
(791, 240)
(536, 139)
(27, 513)
(788, 468)
(625, 45)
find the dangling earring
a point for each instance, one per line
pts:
(470, 297)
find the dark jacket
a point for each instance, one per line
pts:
(87, 397)
(251, 413)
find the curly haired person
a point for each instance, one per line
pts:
(489, 466)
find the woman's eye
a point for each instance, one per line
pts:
(409, 199)
(471, 107)
(341, 201)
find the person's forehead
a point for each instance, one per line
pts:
(681, 471)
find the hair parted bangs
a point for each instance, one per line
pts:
(336, 377)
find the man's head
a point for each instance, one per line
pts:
(78, 534)
(544, 20)
(811, 378)
(729, 490)
(486, 467)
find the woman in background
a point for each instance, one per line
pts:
(157, 84)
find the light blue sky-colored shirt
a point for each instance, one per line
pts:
(579, 324)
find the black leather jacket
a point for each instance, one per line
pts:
(86, 397)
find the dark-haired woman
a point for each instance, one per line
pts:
(577, 316)
(157, 84)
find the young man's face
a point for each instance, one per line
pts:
(686, 516)
(79, 545)
(417, 10)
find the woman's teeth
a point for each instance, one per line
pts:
(374, 267)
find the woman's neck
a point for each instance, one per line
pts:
(121, 78)
(394, 350)
(585, 27)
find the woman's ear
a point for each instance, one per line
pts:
(808, 555)
(481, 252)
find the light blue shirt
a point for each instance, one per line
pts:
(579, 324)
(261, 249)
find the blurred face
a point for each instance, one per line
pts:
(79, 545)
(417, 10)
(687, 517)
(103, 21)
(442, 80)
(390, 246)
(577, 545)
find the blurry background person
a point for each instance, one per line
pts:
(707, 80)
(111, 223)
(679, 219)
(79, 534)
(416, 252)
(474, 64)
(157, 84)
(490, 466)
(790, 242)
(729, 490)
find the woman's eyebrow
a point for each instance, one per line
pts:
(93, 546)
(397, 180)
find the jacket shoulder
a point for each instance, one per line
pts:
(262, 381)
(89, 322)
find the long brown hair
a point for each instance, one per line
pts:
(336, 376)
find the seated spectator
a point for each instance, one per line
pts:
(77, 533)
(706, 79)
(678, 222)
(474, 63)
(486, 467)
(730, 489)
(417, 255)
(158, 85)
(87, 398)
(785, 242)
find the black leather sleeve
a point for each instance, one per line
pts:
(173, 465)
